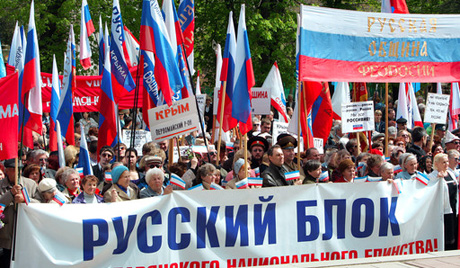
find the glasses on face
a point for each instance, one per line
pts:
(257, 150)
(405, 135)
(43, 160)
(155, 166)
(212, 153)
(456, 142)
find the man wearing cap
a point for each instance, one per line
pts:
(9, 195)
(419, 137)
(288, 143)
(257, 146)
(49, 191)
(402, 124)
(105, 156)
(274, 174)
(451, 141)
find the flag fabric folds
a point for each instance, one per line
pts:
(394, 6)
(187, 24)
(151, 95)
(341, 95)
(154, 38)
(132, 48)
(278, 101)
(84, 161)
(122, 81)
(227, 76)
(2, 64)
(243, 78)
(31, 82)
(359, 92)
(86, 30)
(322, 114)
(454, 107)
(107, 116)
(218, 50)
(54, 106)
(9, 118)
(65, 110)
(102, 42)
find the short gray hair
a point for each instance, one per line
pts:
(404, 158)
(66, 174)
(386, 166)
(152, 172)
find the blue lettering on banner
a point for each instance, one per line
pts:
(238, 223)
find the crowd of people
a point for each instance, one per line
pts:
(123, 174)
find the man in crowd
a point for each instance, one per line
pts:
(419, 138)
(288, 143)
(105, 156)
(452, 142)
(257, 146)
(266, 126)
(274, 174)
(402, 124)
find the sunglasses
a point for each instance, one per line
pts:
(155, 166)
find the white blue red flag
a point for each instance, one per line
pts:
(151, 95)
(84, 161)
(107, 116)
(255, 181)
(80, 172)
(360, 179)
(108, 176)
(187, 24)
(65, 110)
(274, 82)
(242, 184)
(25, 195)
(398, 183)
(293, 175)
(454, 107)
(227, 76)
(324, 176)
(86, 30)
(394, 6)
(102, 42)
(30, 87)
(175, 38)
(422, 178)
(54, 106)
(122, 81)
(397, 169)
(154, 37)
(198, 187)
(2, 208)
(59, 199)
(373, 179)
(61, 156)
(176, 180)
(132, 49)
(244, 78)
(215, 186)
(257, 171)
(341, 95)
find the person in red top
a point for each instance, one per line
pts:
(347, 170)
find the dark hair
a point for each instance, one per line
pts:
(345, 164)
(93, 147)
(270, 151)
(32, 168)
(131, 150)
(89, 178)
(435, 145)
(107, 148)
(418, 133)
(309, 151)
(311, 165)
(350, 144)
(178, 168)
(93, 131)
(376, 145)
(203, 171)
(374, 160)
(422, 163)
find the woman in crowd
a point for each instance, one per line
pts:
(436, 149)
(408, 163)
(426, 164)
(396, 153)
(441, 164)
(155, 178)
(120, 189)
(87, 122)
(206, 175)
(33, 172)
(239, 171)
(312, 170)
(71, 180)
(373, 165)
(387, 171)
(70, 155)
(341, 155)
(88, 196)
(347, 171)
(130, 161)
(47, 188)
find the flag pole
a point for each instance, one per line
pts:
(386, 121)
(299, 100)
(136, 103)
(170, 153)
(245, 137)
(221, 117)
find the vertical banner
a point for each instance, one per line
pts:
(9, 116)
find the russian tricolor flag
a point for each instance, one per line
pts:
(244, 78)
(154, 38)
(122, 81)
(373, 179)
(65, 110)
(293, 175)
(242, 184)
(54, 106)
(108, 176)
(394, 6)
(454, 107)
(324, 176)
(226, 77)
(198, 187)
(187, 24)
(215, 186)
(257, 171)
(59, 199)
(86, 30)
(25, 195)
(255, 181)
(398, 183)
(176, 180)
(422, 178)
(84, 161)
(101, 46)
(360, 179)
(397, 169)
(2, 208)
(107, 116)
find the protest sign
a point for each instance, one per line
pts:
(278, 128)
(237, 228)
(437, 106)
(178, 119)
(141, 137)
(261, 102)
(319, 145)
(357, 116)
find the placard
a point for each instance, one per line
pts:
(319, 145)
(357, 116)
(436, 109)
(178, 119)
(278, 128)
(141, 137)
(260, 100)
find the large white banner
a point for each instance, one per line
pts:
(235, 228)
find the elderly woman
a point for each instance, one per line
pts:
(47, 187)
(88, 196)
(312, 170)
(120, 189)
(408, 163)
(206, 175)
(441, 172)
(71, 180)
(347, 171)
(387, 171)
(155, 178)
(239, 171)
(33, 172)
(373, 165)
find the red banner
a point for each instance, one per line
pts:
(9, 115)
(86, 95)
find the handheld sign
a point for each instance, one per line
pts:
(358, 116)
(436, 108)
(260, 102)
